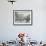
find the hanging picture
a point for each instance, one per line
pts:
(22, 17)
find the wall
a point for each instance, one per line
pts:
(37, 31)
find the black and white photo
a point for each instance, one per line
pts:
(22, 17)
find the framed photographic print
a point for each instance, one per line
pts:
(22, 17)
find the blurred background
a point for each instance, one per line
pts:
(8, 31)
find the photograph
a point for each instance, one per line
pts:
(22, 17)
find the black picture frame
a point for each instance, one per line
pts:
(20, 24)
